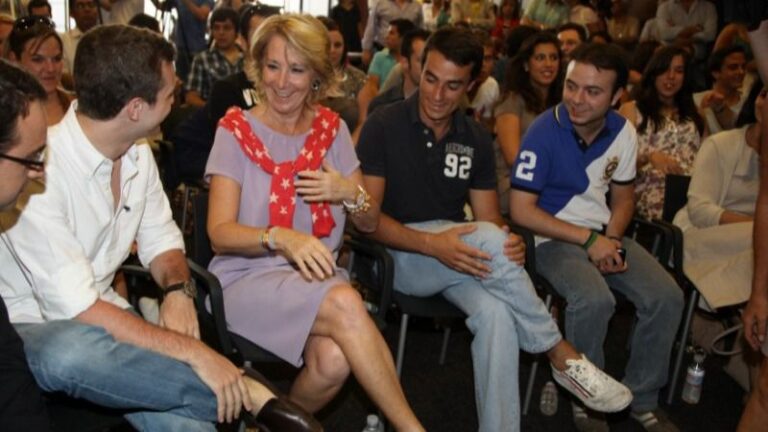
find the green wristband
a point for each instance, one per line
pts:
(590, 241)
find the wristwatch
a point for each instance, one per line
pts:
(187, 287)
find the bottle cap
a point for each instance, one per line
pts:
(699, 355)
(372, 420)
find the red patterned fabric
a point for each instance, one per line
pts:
(282, 198)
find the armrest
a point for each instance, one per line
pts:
(379, 277)
(676, 251)
(208, 287)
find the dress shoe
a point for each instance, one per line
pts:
(281, 415)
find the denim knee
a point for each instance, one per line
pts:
(490, 318)
(599, 302)
(50, 349)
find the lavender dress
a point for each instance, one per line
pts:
(265, 298)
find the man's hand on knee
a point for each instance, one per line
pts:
(448, 247)
(514, 247)
(225, 381)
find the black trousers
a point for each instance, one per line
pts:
(22, 407)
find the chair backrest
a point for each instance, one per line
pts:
(201, 251)
(675, 195)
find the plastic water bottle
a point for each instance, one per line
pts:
(548, 402)
(373, 424)
(695, 378)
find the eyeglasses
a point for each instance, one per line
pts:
(27, 22)
(35, 163)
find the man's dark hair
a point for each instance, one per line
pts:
(402, 25)
(115, 64)
(578, 28)
(604, 57)
(142, 20)
(18, 89)
(35, 4)
(459, 46)
(516, 37)
(248, 10)
(717, 57)
(406, 47)
(225, 13)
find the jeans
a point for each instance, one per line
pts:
(504, 314)
(22, 408)
(86, 362)
(656, 297)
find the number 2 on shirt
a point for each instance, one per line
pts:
(525, 165)
(455, 164)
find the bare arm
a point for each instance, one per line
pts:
(177, 311)
(194, 99)
(311, 256)
(485, 206)
(755, 315)
(508, 134)
(446, 245)
(525, 211)
(622, 209)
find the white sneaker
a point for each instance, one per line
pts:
(593, 387)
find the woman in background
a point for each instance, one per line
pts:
(533, 84)
(669, 127)
(35, 46)
(717, 222)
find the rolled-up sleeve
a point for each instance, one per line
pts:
(51, 262)
(157, 232)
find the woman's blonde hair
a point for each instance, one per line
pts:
(308, 37)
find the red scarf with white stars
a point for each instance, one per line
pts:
(282, 196)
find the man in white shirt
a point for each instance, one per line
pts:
(722, 104)
(60, 254)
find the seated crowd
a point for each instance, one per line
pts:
(459, 119)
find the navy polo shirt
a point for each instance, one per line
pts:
(426, 179)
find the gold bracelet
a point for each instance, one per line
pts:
(362, 202)
(266, 244)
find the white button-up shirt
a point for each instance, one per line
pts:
(60, 254)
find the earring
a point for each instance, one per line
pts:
(316, 85)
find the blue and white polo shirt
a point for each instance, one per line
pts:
(570, 177)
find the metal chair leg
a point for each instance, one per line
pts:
(534, 367)
(446, 336)
(683, 341)
(401, 344)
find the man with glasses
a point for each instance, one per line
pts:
(86, 17)
(22, 144)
